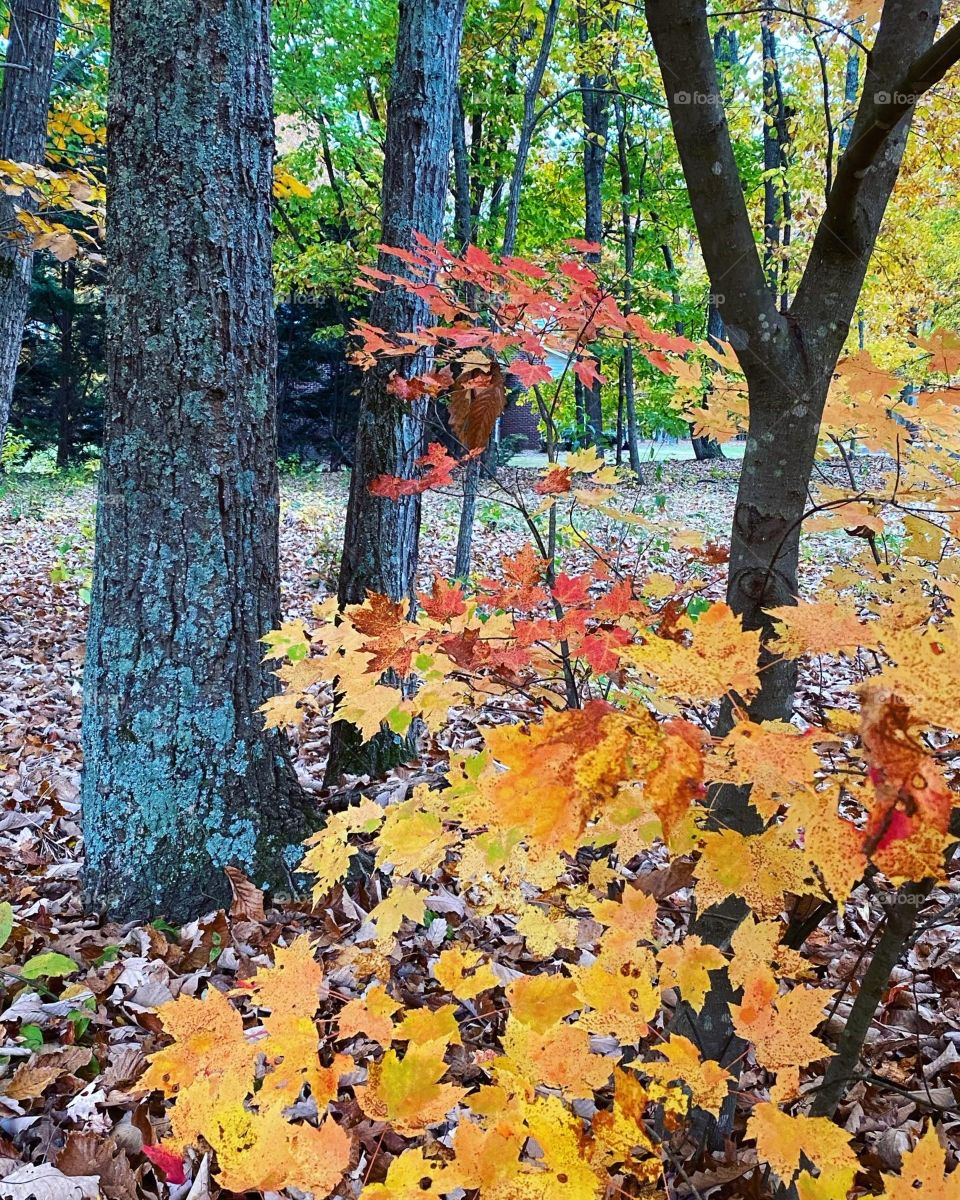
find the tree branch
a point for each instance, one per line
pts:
(684, 51)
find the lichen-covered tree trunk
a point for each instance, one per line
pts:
(180, 779)
(382, 536)
(24, 99)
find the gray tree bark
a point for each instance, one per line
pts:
(24, 100)
(381, 540)
(595, 97)
(180, 779)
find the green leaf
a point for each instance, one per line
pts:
(32, 1036)
(6, 921)
(48, 966)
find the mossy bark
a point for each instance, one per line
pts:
(180, 779)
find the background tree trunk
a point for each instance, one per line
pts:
(382, 536)
(180, 778)
(595, 98)
(24, 100)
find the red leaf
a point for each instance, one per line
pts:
(168, 1162)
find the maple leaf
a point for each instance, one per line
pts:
(438, 467)
(371, 1014)
(721, 658)
(781, 1027)
(407, 1092)
(774, 757)
(542, 1001)
(464, 973)
(411, 1176)
(560, 1057)
(621, 991)
(290, 986)
(758, 955)
(706, 1080)
(821, 627)
(927, 671)
(412, 838)
(291, 641)
(209, 1045)
(783, 1141)
(630, 919)
(761, 869)
(561, 1139)
(403, 902)
(168, 1161)
(923, 1172)
(488, 1159)
(687, 965)
(423, 1025)
(619, 1132)
(554, 481)
(444, 600)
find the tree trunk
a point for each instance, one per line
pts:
(24, 100)
(527, 124)
(67, 397)
(596, 122)
(180, 778)
(707, 449)
(381, 539)
(472, 472)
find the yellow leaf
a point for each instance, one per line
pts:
(542, 1001)
(707, 1081)
(923, 1173)
(463, 973)
(782, 1140)
(407, 1092)
(388, 915)
(686, 965)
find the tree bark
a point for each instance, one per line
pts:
(595, 97)
(180, 778)
(629, 227)
(25, 82)
(381, 539)
(527, 124)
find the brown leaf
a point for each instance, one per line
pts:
(33, 1078)
(247, 898)
(87, 1154)
(476, 401)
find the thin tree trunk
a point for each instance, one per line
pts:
(525, 140)
(180, 778)
(472, 472)
(706, 449)
(595, 98)
(24, 100)
(463, 217)
(67, 392)
(381, 541)
(629, 228)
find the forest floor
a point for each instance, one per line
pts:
(72, 1045)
